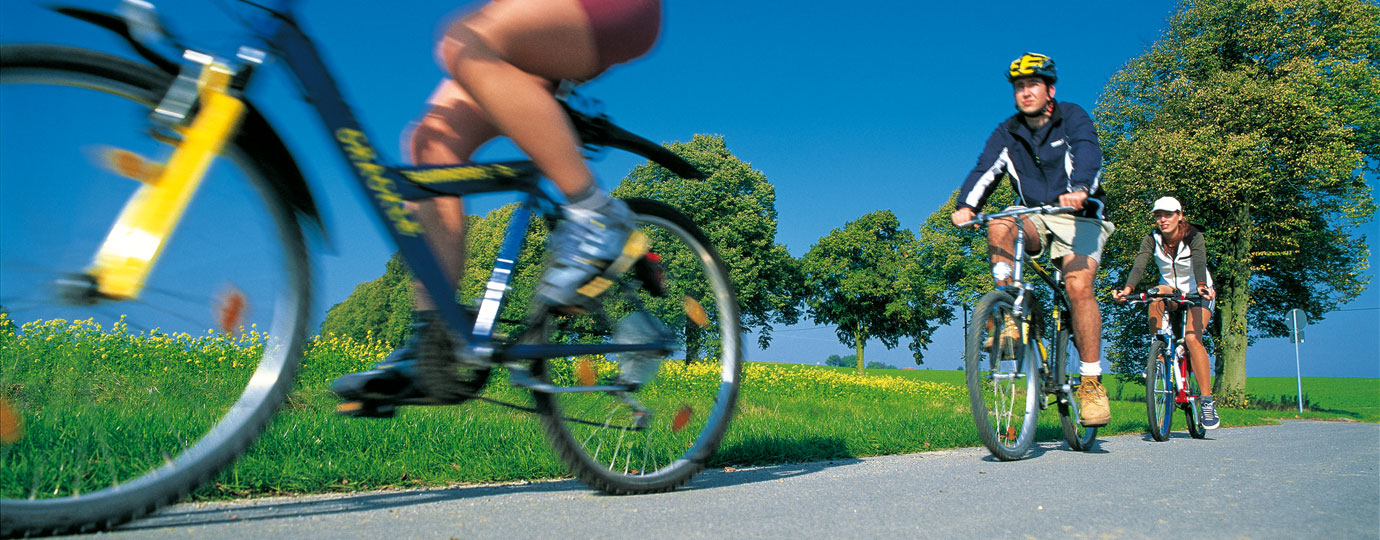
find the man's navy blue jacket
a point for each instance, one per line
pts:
(1058, 158)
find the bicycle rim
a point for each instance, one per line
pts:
(1193, 410)
(1003, 389)
(656, 437)
(1159, 392)
(118, 407)
(1078, 436)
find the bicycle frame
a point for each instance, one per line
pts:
(1173, 342)
(390, 186)
(1023, 287)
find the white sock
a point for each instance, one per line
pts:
(1090, 369)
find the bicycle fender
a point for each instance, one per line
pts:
(117, 24)
(262, 142)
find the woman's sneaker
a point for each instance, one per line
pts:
(1210, 420)
(592, 247)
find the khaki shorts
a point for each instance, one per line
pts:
(1070, 235)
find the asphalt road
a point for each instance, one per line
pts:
(1299, 479)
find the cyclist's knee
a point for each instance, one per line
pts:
(448, 133)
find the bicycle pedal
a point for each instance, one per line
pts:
(366, 409)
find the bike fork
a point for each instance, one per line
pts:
(123, 263)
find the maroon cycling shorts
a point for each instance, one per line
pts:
(623, 29)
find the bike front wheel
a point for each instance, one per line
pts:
(1001, 368)
(677, 398)
(113, 407)
(1159, 391)
(1066, 354)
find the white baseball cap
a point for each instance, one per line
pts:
(1168, 204)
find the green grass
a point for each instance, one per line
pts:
(786, 413)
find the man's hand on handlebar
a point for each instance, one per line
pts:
(962, 216)
(1208, 293)
(1120, 294)
(1073, 199)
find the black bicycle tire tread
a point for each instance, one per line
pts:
(1067, 416)
(125, 72)
(590, 472)
(1159, 427)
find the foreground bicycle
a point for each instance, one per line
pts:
(104, 413)
(1011, 374)
(1167, 381)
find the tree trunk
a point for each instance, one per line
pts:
(1234, 298)
(692, 343)
(859, 336)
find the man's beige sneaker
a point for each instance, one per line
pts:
(1093, 410)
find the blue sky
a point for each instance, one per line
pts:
(847, 108)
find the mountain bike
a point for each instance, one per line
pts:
(210, 215)
(1167, 381)
(1011, 373)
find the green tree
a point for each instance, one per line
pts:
(842, 361)
(735, 206)
(381, 308)
(862, 279)
(1260, 117)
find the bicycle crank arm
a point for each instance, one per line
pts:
(136, 240)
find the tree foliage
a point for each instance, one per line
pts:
(381, 308)
(864, 279)
(735, 206)
(1260, 117)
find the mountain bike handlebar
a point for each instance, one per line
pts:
(983, 218)
(1191, 298)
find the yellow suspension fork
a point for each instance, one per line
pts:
(136, 240)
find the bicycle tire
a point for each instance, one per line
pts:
(1002, 379)
(1079, 437)
(1159, 392)
(187, 426)
(1193, 410)
(690, 401)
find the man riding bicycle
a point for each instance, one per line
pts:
(1182, 257)
(1049, 150)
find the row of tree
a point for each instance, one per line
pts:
(1261, 116)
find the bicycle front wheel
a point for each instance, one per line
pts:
(1159, 391)
(665, 426)
(113, 407)
(1001, 370)
(1078, 436)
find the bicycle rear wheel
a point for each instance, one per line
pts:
(1066, 355)
(1159, 391)
(1001, 374)
(1193, 410)
(113, 408)
(659, 433)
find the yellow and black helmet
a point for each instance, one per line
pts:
(1032, 64)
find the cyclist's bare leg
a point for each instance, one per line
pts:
(1193, 341)
(1001, 237)
(1079, 273)
(450, 132)
(1157, 308)
(494, 53)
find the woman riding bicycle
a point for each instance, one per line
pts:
(504, 62)
(1179, 250)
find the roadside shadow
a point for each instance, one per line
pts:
(193, 514)
(725, 470)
